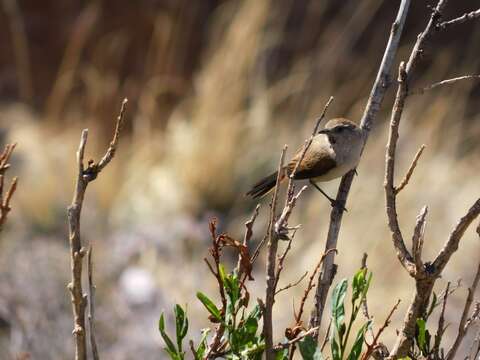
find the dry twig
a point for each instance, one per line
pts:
(442, 83)
(5, 199)
(91, 305)
(409, 173)
(459, 20)
(272, 247)
(441, 323)
(375, 344)
(77, 250)
(465, 320)
(295, 340)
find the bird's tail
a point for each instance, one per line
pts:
(264, 186)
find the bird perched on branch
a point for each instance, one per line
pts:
(333, 152)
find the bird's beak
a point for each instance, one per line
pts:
(324, 131)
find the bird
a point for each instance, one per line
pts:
(334, 151)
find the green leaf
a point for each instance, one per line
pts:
(358, 284)
(202, 346)
(210, 306)
(281, 354)
(181, 325)
(170, 349)
(308, 347)
(335, 349)
(356, 350)
(222, 272)
(338, 309)
(421, 325)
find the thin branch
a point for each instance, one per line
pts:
(454, 239)
(272, 247)
(77, 251)
(421, 91)
(6, 198)
(459, 20)
(247, 237)
(409, 173)
(296, 340)
(91, 304)
(403, 255)
(364, 302)
(441, 323)
(372, 108)
(465, 322)
(373, 346)
(290, 285)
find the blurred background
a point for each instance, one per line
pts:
(216, 88)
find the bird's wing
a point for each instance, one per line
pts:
(314, 164)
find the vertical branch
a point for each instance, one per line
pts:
(464, 323)
(371, 110)
(272, 247)
(91, 304)
(77, 250)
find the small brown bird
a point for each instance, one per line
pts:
(334, 151)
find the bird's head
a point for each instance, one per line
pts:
(341, 131)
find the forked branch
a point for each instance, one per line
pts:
(77, 250)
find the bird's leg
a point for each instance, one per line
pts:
(333, 202)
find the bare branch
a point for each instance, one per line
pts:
(409, 173)
(294, 341)
(272, 247)
(442, 83)
(454, 239)
(371, 110)
(372, 347)
(364, 302)
(390, 195)
(290, 285)
(459, 20)
(247, 236)
(465, 321)
(441, 323)
(91, 304)
(77, 251)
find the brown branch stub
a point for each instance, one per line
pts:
(417, 241)
(77, 251)
(409, 173)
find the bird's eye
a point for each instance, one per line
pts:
(340, 129)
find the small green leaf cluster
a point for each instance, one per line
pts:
(241, 339)
(340, 330)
